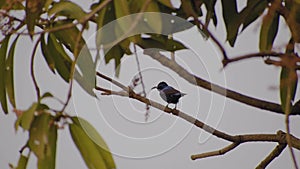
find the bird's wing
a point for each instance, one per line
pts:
(171, 91)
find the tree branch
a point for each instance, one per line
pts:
(252, 55)
(215, 153)
(280, 137)
(275, 153)
(193, 79)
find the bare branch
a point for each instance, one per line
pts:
(215, 153)
(193, 79)
(275, 153)
(279, 137)
(178, 113)
(252, 55)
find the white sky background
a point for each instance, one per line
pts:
(169, 140)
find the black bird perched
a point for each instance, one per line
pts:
(168, 93)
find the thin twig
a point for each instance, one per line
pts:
(37, 89)
(275, 153)
(139, 70)
(113, 81)
(193, 79)
(252, 55)
(215, 153)
(215, 40)
(147, 114)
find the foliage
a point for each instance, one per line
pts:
(58, 26)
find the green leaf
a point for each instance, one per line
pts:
(288, 86)
(115, 53)
(211, 14)
(47, 94)
(166, 3)
(42, 140)
(61, 59)
(294, 19)
(22, 163)
(86, 65)
(153, 23)
(3, 51)
(122, 9)
(91, 145)
(68, 9)
(46, 51)
(9, 78)
(47, 4)
(106, 15)
(252, 11)
(87, 77)
(33, 11)
(161, 42)
(268, 31)
(26, 118)
(68, 37)
(230, 16)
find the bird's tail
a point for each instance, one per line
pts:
(183, 94)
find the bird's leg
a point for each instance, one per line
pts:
(175, 106)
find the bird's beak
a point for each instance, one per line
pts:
(153, 87)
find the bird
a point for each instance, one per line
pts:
(168, 93)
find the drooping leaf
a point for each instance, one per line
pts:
(106, 15)
(86, 65)
(87, 77)
(122, 9)
(61, 59)
(9, 77)
(154, 22)
(47, 4)
(167, 3)
(230, 16)
(294, 19)
(68, 9)
(47, 94)
(68, 37)
(211, 14)
(42, 140)
(115, 53)
(33, 11)
(3, 51)
(288, 86)
(22, 163)
(46, 51)
(252, 11)
(161, 42)
(268, 31)
(26, 118)
(91, 145)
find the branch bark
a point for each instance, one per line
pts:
(195, 80)
(279, 137)
(275, 153)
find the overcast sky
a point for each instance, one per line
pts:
(164, 141)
